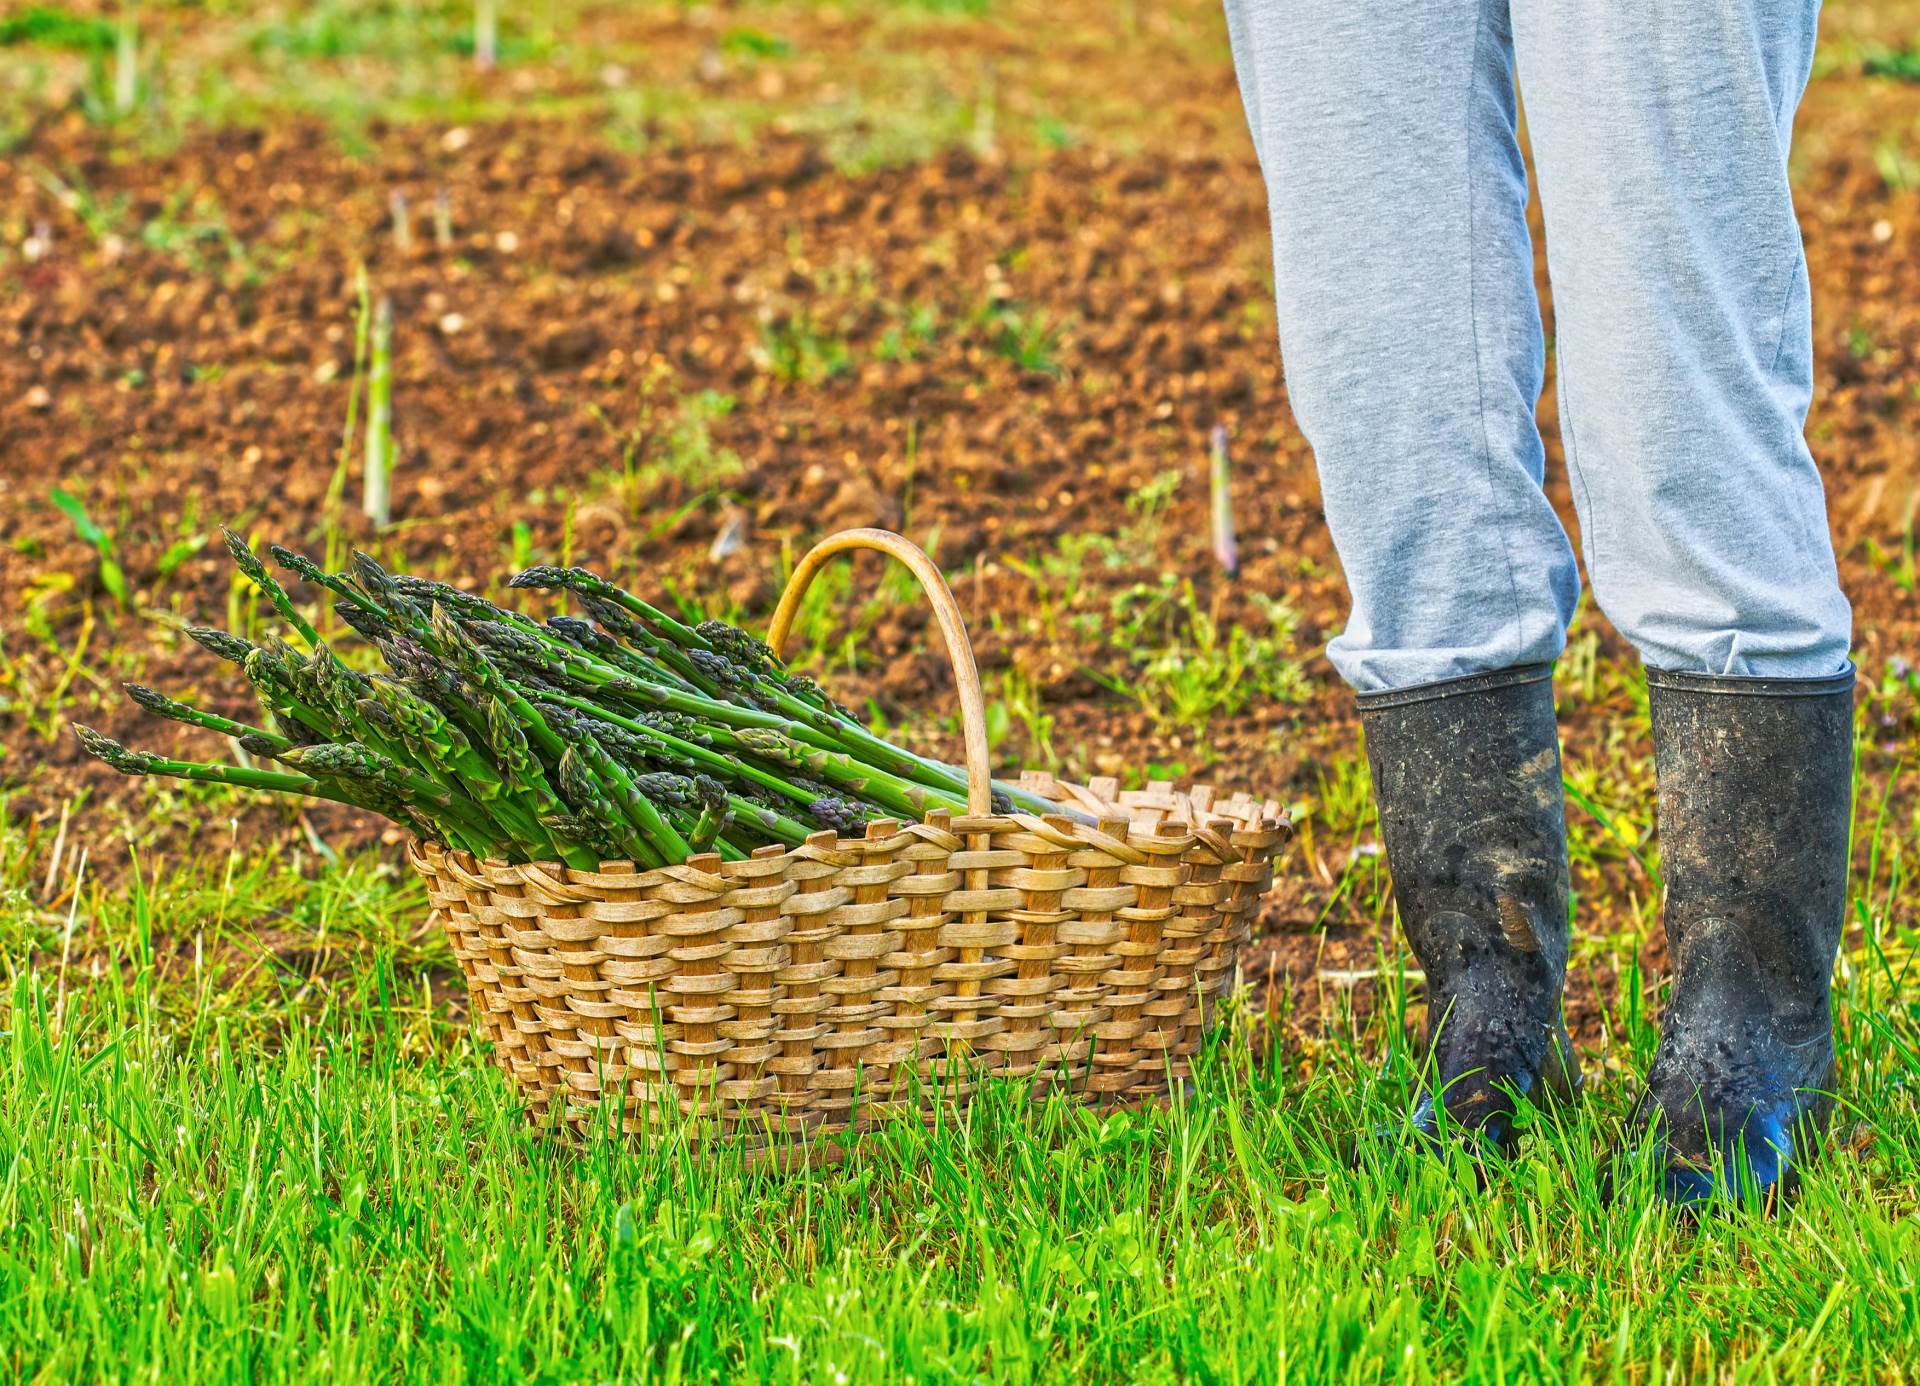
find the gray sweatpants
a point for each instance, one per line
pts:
(1411, 337)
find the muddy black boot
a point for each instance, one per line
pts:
(1756, 780)
(1466, 774)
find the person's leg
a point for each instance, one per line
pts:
(1410, 335)
(1682, 324)
(1660, 132)
(1409, 328)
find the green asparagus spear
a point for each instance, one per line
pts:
(160, 705)
(245, 559)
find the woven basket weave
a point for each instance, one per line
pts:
(810, 989)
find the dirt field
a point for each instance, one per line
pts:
(816, 278)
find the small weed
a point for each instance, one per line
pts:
(797, 350)
(1028, 338)
(1054, 133)
(1058, 574)
(112, 578)
(190, 228)
(687, 451)
(191, 224)
(1148, 506)
(1617, 796)
(328, 31)
(1021, 701)
(755, 43)
(1182, 660)
(1897, 563)
(1578, 670)
(1344, 812)
(41, 599)
(671, 447)
(971, 9)
(1138, 776)
(191, 539)
(1898, 170)
(910, 337)
(1346, 795)
(338, 29)
(507, 46)
(103, 222)
(1901, 64)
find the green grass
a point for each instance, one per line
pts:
(244, 1141)
(799, 350)
(50, 26)
(1903, 64)
(1027, 338)
(361, 64)
(1186, 661)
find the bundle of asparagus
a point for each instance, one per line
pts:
(628, 737)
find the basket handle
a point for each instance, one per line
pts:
(946, 611)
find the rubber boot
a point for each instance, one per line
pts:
(1466, 774)
(1756, 783)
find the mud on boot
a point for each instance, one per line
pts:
(1755, 781)
(1466, 774)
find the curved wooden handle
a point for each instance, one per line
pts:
(966, 676)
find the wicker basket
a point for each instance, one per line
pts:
(806, 990)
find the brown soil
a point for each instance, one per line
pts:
(174, 383)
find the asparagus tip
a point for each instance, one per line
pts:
(842, 816)
(544, 577)
(223, 643)
(446, 629)
(343, 759)
(243, 555)
(303, 567)
(149, 698)
(363, 622)
(103, 747)
(367, 568)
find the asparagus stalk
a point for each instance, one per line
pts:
(632, 803)
(232, 648)
(697, 659)
(249, 563)
(306, 569)
(130, 762)
(160, 705)
(473, 663)
(276, 687)
(589, 801)
(640, 737)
